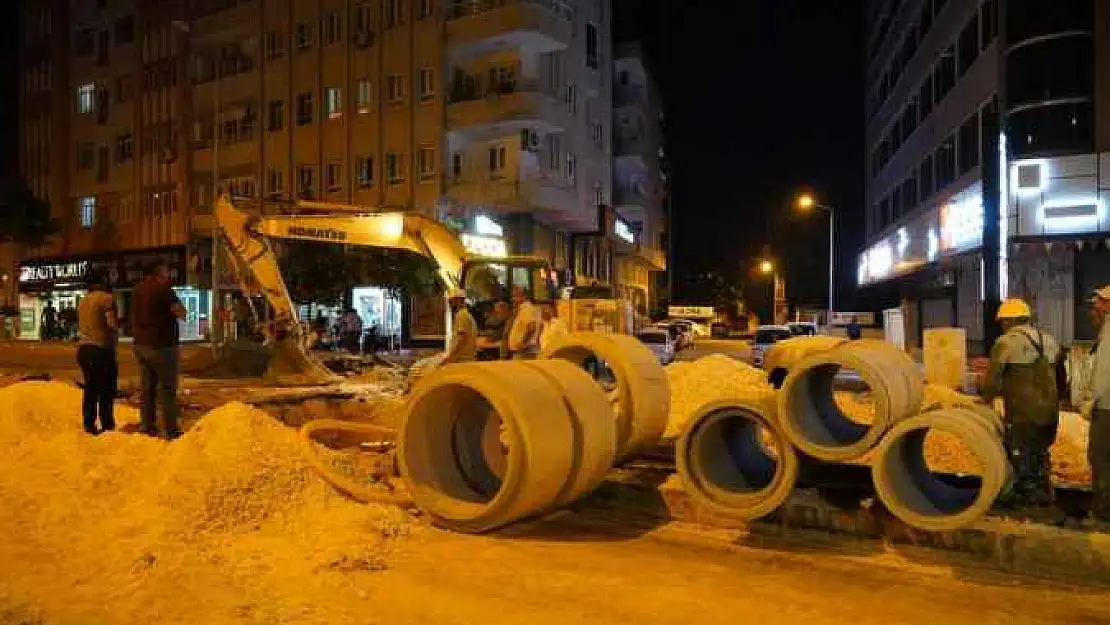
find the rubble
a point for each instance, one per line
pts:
(711, 378)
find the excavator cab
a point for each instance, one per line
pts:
(489, 280)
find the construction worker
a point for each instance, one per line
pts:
(1096, 407)
(464, 340)
(1023, 372)
(525, 326)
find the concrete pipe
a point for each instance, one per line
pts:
(735, 460)
(641, 396)
(809, 413)
(932, 501)
(440, 445)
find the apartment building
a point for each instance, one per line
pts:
(987, 170)
(493, 116)
(639, 182)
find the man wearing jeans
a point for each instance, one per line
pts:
(155, 310)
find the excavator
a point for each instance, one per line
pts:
(485, 280)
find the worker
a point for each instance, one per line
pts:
(553, 327)
(1096, 407)
(524, 329)
(1023, 372)
(98, 329)
(464, 340)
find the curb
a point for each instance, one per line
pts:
(1003, 545)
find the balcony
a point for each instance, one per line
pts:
(478, 27)
(514, 193)
(629, 95)
(484, 110)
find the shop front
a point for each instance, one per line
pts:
(51, 288)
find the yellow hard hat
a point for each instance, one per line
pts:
(1014, 308)
(456, 294)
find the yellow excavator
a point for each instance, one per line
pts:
(484, 279)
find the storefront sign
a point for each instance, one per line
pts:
(488, 246)
(624, 231)
(487, 227)
(961, 224)
(124, 270)
(702, 312)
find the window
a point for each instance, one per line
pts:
(365, 98)
(304, 109)
(426, 9)
(362, 20)
(572, 163)
(275, 45)
(125, 30)
(246, 124)
(1058, 69)
(945, 159)
(125, 88)
(86, 98)
(86, 156)
(229, 132)
(944, 75)
(394, 168)
(925, 97)
(125, 146)
(88, 212)
(334, 103)
(925, 178)
(426, 163)
(333, 28)
(591, 46)
(395, 88)
(1051, 129)
(365, 165)
(988, 23)
(394, 12)
(84, 42)
(275, 115)
(597, 132)
(306, 183)
(456, 165)
(572, 100)
(497, 162)
(969, 144)
(969, 44)
(333, 177)
(275, 181)
(427, 84)
(303, 34)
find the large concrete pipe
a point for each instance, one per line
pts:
(929, 500)
(735, 460)
(641, 397)
(440, 445)
(781, 357)
(814, 422)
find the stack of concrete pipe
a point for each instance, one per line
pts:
(485, 444)
(741, 460)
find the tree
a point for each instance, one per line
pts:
(317, 272)
(24, 218)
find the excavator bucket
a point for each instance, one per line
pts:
(290, 363)
(285, 363)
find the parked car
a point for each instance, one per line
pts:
(765, 337)
(802, 328)
(680, 336)
(697, 330)
(660, 343)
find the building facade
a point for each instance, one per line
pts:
(639, 180)
(492, 115)
(988, 130)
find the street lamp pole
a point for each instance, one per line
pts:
(806, 201)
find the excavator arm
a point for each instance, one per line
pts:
(246, 238)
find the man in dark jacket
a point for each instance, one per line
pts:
(155, 310)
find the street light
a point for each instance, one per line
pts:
(766, 266)
(807, 202)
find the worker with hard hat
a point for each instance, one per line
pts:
(1023, 372)
(464, 337)
(1096, 407)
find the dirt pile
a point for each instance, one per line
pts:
(227, 520)
(711, 378)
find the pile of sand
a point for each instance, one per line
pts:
(230, 512)
(711, 378)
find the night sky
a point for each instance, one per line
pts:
(762, 97)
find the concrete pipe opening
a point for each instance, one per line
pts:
(940, 471)
(483, 445)
(735, 462)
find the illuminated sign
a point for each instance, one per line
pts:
(623, 231)
(53, 273)
(932, 245)
(903, 242)
(961, 223)
(1069, 215)
(487, 227)
(492, 247)
(880, 260)
(690, 311)
(1029, 177)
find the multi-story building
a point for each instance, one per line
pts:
(639, 183)
(988, 126)
(492, 115)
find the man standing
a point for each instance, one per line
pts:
(155, 310)
(1097, 407)
(48, 326)
(1023, 372)
(553, 327)
(98, 332)
(524, 330)
(464, 341)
